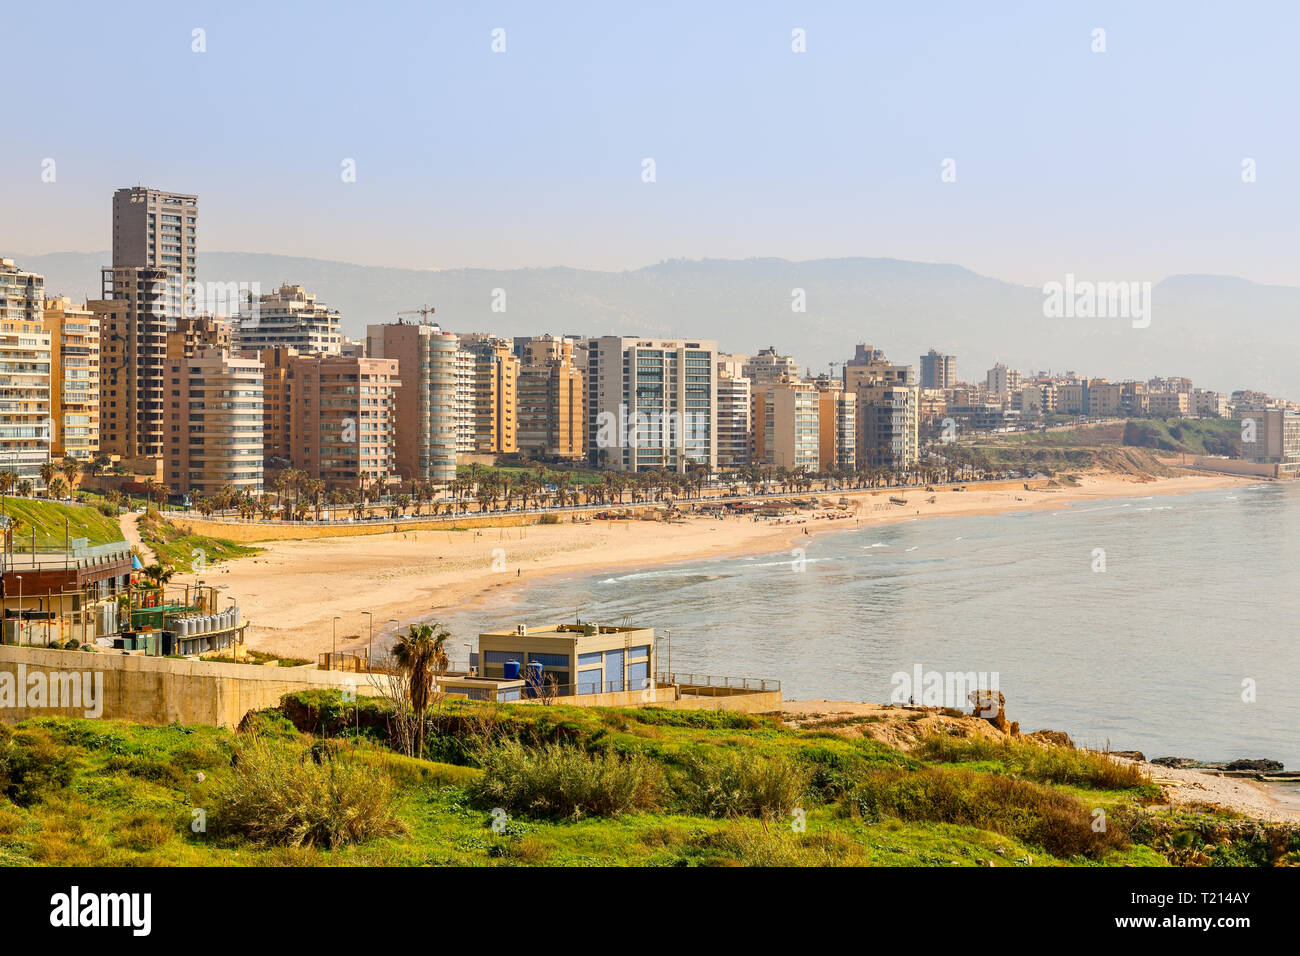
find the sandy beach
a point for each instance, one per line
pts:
(292, 591)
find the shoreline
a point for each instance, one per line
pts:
(403, 576)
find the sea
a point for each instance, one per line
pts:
(1165, 624)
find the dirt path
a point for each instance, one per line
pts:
(132, 535)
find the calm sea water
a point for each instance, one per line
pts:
(1200, 592)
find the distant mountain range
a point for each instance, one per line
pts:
(1223, 332)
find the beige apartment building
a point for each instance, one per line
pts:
(785, 417)
(489, 425)
(25, 374)
(213, 423)
(289, 317)
(426, 422)
(888, 410)
(551, 404)
(74, 383)
(133, 316)
(343, 419)
(277, 401)
(938, 370)
(837, 417)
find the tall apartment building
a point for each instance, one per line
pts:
(785, 424)
(651, 403)
(734, 423)
(425, 429)
(732, 364)
(25, 423)
(133, 318)
(1001, 380)
(343, 419)
(1103, 399)
(768, 366)
(213, 423)
(289, 317)
(74, 382)
(1169, 404)
(277, 398)
(838, 425)
(937, 370)
(492, 383)
(1209, 404)
(552, 400)
(156, 229)
(888, 409)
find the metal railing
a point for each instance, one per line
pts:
(703, 683)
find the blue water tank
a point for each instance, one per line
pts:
(535, 672)
(512, 670)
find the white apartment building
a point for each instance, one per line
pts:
(651, 403)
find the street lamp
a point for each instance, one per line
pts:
(335, 653)
(370, 646)
(18, 640)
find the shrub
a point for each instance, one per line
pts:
(734, 784)
(277, 794)
(1061, 765)
(1058, 822)
(32, 766)
(560, 780)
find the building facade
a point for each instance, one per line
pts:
(214, 423)
(552, 401)
(26, 426)
(651, 403)
(734, 423)
(74, 383)
(133, 319)
(289, 317)
(344, 415)
(425, 429)
(938, 370)
(785, 425)
(156, 229)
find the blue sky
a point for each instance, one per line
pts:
(1123, 164)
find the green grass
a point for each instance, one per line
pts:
(177, 549)
(84, 792)
(47, 519)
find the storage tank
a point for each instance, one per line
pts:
(512, 670)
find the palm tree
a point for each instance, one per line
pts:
(48, 468)
(58, 488)
(71, 468)
(422, 656)
(158, 574)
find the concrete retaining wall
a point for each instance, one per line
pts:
(159, 690)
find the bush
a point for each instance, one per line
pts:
(32, 766)
(277, 794)
(559, 780)
(1062, 765)
(734, 784)
(1059, 823)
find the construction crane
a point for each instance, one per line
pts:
(423, 312)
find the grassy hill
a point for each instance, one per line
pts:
(314, 783)
(47, 519)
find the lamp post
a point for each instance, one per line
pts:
(370, 646)
(334, 655)
(18, 640)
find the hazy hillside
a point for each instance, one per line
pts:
(1225, 332)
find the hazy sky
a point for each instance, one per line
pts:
(1123, 164)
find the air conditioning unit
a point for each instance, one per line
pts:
(521, 630)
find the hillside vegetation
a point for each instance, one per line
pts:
(314, 782)
(47, 519)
